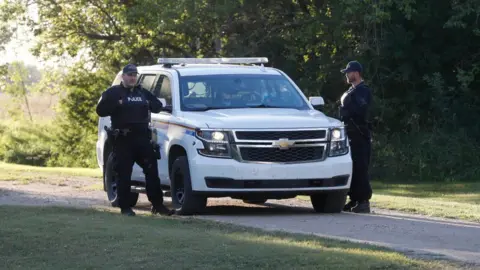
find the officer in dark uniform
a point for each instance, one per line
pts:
(354, 113)
(129, 106)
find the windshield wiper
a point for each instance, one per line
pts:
(269, 106)
(203, 109)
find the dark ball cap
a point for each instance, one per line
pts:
(130, 68)
(352, 66)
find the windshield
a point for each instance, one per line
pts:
(220, 91)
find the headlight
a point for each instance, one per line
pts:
(215, 143)
(338, 142)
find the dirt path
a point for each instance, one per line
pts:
(414, 235)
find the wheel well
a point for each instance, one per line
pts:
(175, 152)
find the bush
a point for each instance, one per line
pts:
(24, 142)
(76, 126)
(426, 156)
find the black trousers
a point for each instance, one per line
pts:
(134, 148)
(360, 188)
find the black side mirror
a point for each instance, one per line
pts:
(319, 107)
(167, 108)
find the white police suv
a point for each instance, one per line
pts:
(235, 128)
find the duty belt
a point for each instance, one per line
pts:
(116, 132)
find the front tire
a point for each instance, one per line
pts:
(111, 185)
(183, 198)
(330, 202)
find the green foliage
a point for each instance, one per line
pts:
(76, 132)
(421, 59)
(16, 80)
(430, 156)
(25, 142)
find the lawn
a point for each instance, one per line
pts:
(445, 200)
(450, 200)
(27, 173)
(60, 238)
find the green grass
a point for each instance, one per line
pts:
(28, 173)
(447, 192)
(59, 238)
(446, 200)
(450, 200)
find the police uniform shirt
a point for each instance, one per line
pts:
(354, 104)
(137, 103)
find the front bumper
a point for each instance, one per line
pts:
(228, 176)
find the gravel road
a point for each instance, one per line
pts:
(414, 235)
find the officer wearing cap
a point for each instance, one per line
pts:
(355, 103)
(129, 106)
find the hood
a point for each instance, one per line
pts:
(262, 118)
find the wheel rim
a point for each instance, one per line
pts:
(179, 188)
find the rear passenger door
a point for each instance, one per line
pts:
(163, 90)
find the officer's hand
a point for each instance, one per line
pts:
(120, 101)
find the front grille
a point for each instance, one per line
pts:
(276, 135)
(268, 154)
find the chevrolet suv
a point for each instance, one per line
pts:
(235, 128)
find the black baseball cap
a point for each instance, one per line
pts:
(130, 68)
(352, 66)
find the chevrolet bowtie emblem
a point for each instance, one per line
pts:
(283, 143)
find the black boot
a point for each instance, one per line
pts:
(362, 207)
(348, 207)
(162, 210)
(128, 212)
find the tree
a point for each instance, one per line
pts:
(18, 80)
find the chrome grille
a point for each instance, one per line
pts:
(270, 154)
(280, 146)
(276, 135)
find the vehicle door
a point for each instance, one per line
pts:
(147, 81)
(160, 121)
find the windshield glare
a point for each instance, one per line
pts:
(238, 91)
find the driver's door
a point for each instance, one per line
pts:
(163, 91)
(147, 81)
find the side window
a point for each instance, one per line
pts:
(163, 89)
(147, 81)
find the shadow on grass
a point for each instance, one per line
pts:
(77, 239)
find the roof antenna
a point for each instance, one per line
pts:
(262, 67)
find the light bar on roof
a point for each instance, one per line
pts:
(225, 60)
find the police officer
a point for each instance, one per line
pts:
(355, 103)
(129, 106)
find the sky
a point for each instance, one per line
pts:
(21, 43)
(19, 47)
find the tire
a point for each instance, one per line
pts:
(183, 199)
(111, 184)
(331, 202)
(255, 201)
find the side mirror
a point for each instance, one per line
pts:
(167, 108)
(317, 102)
(163, 101)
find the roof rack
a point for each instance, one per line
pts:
(223, 60)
